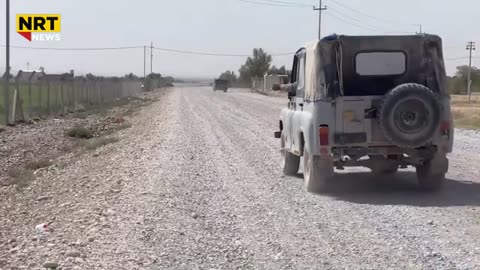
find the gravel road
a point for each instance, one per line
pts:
(196, 183)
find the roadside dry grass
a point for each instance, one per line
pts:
(79, 115)
(38, 164)
(80, 132)
(95, 143)
(47, 141)
(21, 178)
(466, 114)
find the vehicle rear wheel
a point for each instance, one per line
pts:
(316, 172)
(290, 161)
(410, 115)
(431, 175)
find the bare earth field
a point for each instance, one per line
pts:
(196, 183)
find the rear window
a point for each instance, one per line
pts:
(380, 63)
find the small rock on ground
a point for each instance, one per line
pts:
(50, 265)
(73, 253)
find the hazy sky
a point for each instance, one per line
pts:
(222, 26)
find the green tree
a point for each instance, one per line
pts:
(228, 75)
(131, 76)
(256, 65)
(90, 76)
(458, 83)
(278, 71)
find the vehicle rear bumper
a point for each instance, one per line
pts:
(384, 150)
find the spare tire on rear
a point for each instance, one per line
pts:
(410, 115)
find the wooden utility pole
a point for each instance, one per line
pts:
(420, 28)
(470, 48)
(144, 60)
(320, 9)
(151, 58)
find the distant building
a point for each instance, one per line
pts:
(270, 80)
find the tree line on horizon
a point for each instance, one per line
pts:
(259, 64)
(256, 66)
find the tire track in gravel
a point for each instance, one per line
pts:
(177, 210)
(239, 128)
(196, 183)
(390, 225)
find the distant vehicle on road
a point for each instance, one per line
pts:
(374, 101)
(222, 85)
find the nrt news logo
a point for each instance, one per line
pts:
(39, 27)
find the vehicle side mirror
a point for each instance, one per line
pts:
(291, 89)
(290, 94)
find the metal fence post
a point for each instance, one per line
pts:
(48, 97)
(87, 91)
(84, 92)
(6, 96)
(30, 105)
(74, 96)
(112, 92)
(62, 97)
(55, 97)
(102, 95)
(97, 92)
(40, 103)
(92, 94)
(16, 93)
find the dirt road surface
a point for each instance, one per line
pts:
(196, 183)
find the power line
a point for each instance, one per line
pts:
(351, 23)
(214, 54)
(288, 3)
(195, 52)
(364, 26)
(141, 47)
(461, 57)
(75, 49)
(453, 47)
(343, 14)
(365, 14)
(456, 58)
(273, 4)
(356, 21)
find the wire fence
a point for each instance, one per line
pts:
(36, 95)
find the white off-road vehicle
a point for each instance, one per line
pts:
(373, 101)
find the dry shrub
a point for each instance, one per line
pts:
(80, 132)
(21, 178)
(118, 119)
(38, 164)
(99, 142)
(457, 114)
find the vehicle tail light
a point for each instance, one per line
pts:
(445, 128)
(323, 134)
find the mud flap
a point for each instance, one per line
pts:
(439, 164)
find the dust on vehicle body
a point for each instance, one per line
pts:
(374, 101)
